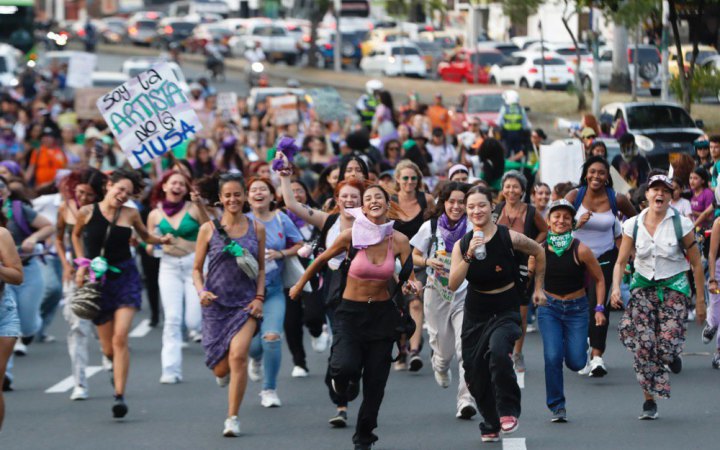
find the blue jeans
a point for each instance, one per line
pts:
(28, 297)
(272, 323)
(564, 328)
(9, 319)
(53, 272)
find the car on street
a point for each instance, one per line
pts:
(380, 36)
(704, 52)
(660, 128)
(109, 80)
(506, 48)
(483, 104)
(525, 69)
(203, 34)
(135, 66)
(432, 53)
(649, 60)
(523, 42)
(395, 59)
(274, 39)
(173, 30)
(142, 31)
(713, 65)
(115, 30)
(566, 51)
(350, 46)
(466, 66)
(448, 41)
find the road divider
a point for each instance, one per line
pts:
(69, 382)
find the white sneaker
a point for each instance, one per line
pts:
(691, 316)
(79, 393)
(597, 367)
(322, 342)
(531, 328)
(255, 370)
(223, 381)
(443, 379)
(195, 336)
(169, 379)
(269, 398)
(585, 371)
(232, 427)
(107, 364)
(20, 349)
(299, 372)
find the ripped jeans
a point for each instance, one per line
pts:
(272, 323)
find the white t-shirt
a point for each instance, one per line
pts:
(682, 205)
(441, 155)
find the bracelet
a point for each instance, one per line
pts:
(600, 308)
(467, 258)
(259, 297)
(425, 263)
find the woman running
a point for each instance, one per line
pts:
(366, 318)
(283, 241)
(232, 301)
(563, 321)
(444, 308)
(492, 322)
(598, 206)
(80, 188)
(121, 287)
(11, 272)
(520, 217)
(179, 213)
(416, 206)
(710, 330)
(348, 195)
(653, 325)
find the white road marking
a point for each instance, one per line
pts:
(521, 380)
(514, 444)
(68, 383)
(141, 330)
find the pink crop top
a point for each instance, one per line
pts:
(361, 268)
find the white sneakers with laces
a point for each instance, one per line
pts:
(269, 398)
(255, 370)
(443, 379)
(597, 367)
(322, 342)
(79, 393)
(299, 372)
(232, 427)
(223, 381)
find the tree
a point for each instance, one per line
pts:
(317, 13)
(573, 8)
(437, 6)
(519, 10)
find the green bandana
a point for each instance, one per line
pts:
(100, 266)
(559, 242)
(234, 249)
(677, 283)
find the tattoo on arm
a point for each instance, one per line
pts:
(524, 244)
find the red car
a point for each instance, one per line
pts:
(461, 66)
(483, 104)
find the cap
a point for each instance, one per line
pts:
(196, 86)
(457, 168)
(93, 133)
(562, 203)
(587, 132)
(387, 173)
(660, 179)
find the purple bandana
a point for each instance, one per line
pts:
(364, 232)
(287, 147)
(453, 234)
(299, 223)
(171, 208)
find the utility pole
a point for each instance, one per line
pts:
(664, 76)
(337, 51)
(542, 54)
(636, 63)
(596, 65)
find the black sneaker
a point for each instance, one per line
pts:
(340, 419)
(715, 361)
(676, 365)
(559, 416)
(708, 333)
(119, 408)
(650, 411)
(416, 362)
(363, 446)
(467, 412)
(7, 385)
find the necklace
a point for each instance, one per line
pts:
(511, 220)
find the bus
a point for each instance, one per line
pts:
(17, 24)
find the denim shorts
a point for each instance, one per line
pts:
(9, 318)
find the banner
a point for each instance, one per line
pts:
(561, 162)
(80, 66)
(284, 109)
(149, 115)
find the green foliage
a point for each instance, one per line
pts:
(628, 12)
(519, 10)
(704, 83)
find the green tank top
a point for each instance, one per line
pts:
(187, 229)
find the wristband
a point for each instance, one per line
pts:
(259, 297)
(467, 258)
(600, 308)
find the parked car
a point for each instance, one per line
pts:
(206, 33)
(568, 52)
(525, 69)
(483, 104)
(142, 31)
(108, 80)
(506, 48)
(115, 30)
(648, 70)
(380, 36)
(704, 52)
(135, 66)
(395, 59)
(275, 41)
(449, 41)
(463, 65)
(660, 128)
(713, 63)
(523, 42)
(350, 43)
(432, 53)
(173, 31)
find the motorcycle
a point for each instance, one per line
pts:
(257, 76)
(216, 67)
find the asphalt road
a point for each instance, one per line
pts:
(416, 413)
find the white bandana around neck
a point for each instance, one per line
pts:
(364, 232)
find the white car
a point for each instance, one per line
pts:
(135, 66)
(525, 69)
(109, 80)
(568, 52)
(275, 40)
(395, 59)
(8, 65)
(648, 71)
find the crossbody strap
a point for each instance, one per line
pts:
(109, 229)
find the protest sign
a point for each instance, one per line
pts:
(284, 109)
(439, 280)
(327, 104)
(561, 162)
(86, 103)
(80, 66)
(68, 119)
(149, 115)
(227, 106)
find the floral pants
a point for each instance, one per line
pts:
(654, 332)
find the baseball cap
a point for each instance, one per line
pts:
(562, 203)
(587, 132)
(660, 179)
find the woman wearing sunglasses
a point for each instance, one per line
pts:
(416, 206)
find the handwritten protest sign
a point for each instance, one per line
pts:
(284, 109)
(227, 106)
(439, 280)
(80, 66)
(149, 115)
(86, 103)
(561, 161)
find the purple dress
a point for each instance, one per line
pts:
(225, 316)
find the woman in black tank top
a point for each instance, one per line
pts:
(121, 286)
(563, 321)
(491, 322)
(409, 179)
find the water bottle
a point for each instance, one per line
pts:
(480, 252)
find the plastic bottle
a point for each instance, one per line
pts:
(480, 252)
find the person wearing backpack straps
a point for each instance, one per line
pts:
(597, 226)
(491, 322)
(347, 195)
(432, 246)
(653, 325)
(523, 218)
(366, 321)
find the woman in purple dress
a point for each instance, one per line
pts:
(232, 301)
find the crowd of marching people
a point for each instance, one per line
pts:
(405, 226)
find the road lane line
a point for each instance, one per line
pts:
(514, 444)
(68, 383)
(520, 379)
(141, 330)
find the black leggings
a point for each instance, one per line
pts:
(151, 271)
(308, 311)
(362, 348)
(598, 334)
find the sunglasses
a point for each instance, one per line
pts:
(413, 178)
